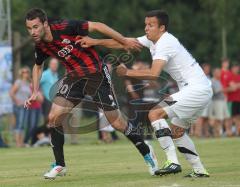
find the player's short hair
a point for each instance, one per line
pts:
(161, 15)
(36, 13)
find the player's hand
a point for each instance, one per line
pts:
(121, 70)
(85, 41)
(31, 99)
(132, 44)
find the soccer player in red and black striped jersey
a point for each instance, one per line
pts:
(87, 76)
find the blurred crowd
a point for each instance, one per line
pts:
(26, 127)
(220, 118)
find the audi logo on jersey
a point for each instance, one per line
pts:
(65, 51)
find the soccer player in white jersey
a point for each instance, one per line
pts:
(183, 107)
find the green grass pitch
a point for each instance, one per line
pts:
(119, 165)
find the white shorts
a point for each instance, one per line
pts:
(189, 104)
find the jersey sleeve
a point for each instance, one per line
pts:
(144, 41)
(78, 27)
(40, 57)
(163, 52)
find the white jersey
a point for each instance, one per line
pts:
(180, 64)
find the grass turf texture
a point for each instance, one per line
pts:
(96, 164)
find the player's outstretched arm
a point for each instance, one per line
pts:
(108, 43)
(87, 41)
(145, 74)
(108, 31)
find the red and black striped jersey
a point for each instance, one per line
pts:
(83, 61)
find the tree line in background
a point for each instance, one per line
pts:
(207, 28)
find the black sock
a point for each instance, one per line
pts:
(136, 138)
(57, 140)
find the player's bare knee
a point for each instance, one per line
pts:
(156, 113)
(120, 124)
(51, 118)
(116, 120)
(177, 132)
(55, 120)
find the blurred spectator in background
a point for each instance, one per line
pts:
(33, 117)
(234, 95)
(225, 76)
(6, 105)
(19, 93)
(40, 135)
(49, 77)
(201, 128)
(218, 111)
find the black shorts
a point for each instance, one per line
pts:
(235, 108)
(95, 88)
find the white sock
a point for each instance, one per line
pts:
(166, 142)
(186, 146)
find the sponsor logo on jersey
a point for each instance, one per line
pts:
(65, 51)
(66, 41)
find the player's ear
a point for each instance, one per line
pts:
(162, 28)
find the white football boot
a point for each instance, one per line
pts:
(55, 171)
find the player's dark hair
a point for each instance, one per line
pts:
(36, 13)
(161, 15)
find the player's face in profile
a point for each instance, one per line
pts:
(36, 29)
(152, 28)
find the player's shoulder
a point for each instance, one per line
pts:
(168, 37)
(144, 41)
(167, 40)
(58, 24)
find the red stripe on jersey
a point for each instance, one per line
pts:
(91, 50)
(83, 56)
(50, 47)
(86, 59)
(47, 51)
(75, 66)
(74, 63)
(53, 48)
(85, 26)
(96, 56)
(59, 26)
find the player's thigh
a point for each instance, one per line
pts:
(190, 102)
